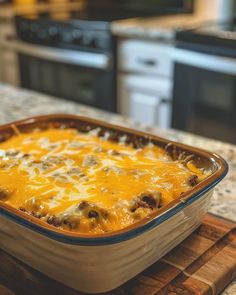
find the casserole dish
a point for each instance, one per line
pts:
(100, 262)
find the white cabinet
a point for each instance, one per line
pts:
(145, 99)
(145, 82)
(150, 109)
(144, 107)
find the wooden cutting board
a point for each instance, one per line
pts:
(204, 263)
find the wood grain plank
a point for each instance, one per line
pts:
(213, 269)
(218, 222)
(5, 291)
(211, 252)
(158, 276)
(197, 287)
(190, 250)
(220, 270)
(197, 243)
(21, 279)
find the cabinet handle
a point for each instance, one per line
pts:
(148, 62)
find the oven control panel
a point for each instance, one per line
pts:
(64, 35)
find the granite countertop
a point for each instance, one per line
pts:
(156, 28)
(17, 104)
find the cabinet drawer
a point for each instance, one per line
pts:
(146, 84)
(145, 57)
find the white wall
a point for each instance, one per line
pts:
(214, 9)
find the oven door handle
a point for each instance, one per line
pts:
(79, 58)
(221, 64)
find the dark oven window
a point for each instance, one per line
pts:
(205, 102)
(85, 85)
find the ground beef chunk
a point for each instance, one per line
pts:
(4, 194)
(193, 180)
(147, 200)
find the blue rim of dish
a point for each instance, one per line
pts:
(100, 241)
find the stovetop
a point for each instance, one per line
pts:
(219, 38)
(87, 29)
(221, 30)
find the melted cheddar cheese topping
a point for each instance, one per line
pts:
(86, 183)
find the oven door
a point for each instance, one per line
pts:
(204, 99)
(84, 77)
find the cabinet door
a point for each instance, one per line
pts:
(145, 100)
(149, 109)
(143, 107)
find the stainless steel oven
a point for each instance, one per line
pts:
(204, 92)
(72, 54)
(85, 77)
(69, 55)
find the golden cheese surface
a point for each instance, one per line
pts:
(85, 183)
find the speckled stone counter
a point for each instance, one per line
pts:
(154, 28)
(17, 104)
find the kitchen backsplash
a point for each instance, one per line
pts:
(215, 9)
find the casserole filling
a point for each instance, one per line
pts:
(86, 183)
